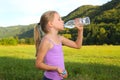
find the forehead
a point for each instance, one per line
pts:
(56, 15)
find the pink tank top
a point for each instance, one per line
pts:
(54, 57)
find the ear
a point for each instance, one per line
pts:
(50, 24)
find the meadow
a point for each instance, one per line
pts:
(87, 63)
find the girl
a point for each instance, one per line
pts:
(49, 49)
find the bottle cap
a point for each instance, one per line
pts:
(64, 72)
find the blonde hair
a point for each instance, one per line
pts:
(40, 28)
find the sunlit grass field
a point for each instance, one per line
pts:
(87, 63)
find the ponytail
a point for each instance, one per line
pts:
(40, 28)
(38, 34)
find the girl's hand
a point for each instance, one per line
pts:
(78, 25)
(65, 75)
(60, 71)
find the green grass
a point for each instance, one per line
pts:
(87, 63)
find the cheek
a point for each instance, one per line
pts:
(61, 27)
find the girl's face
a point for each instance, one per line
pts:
(57, 22)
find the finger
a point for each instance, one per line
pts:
(65, 76)
(61, 75)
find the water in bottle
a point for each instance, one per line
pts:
(71, 23)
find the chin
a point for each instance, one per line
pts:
(61, 29)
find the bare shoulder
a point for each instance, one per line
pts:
(45, 41)
(61, 37)
(64, 40)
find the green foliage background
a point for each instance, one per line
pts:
(104, 27)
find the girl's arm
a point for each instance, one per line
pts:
(78, 43)
(43, 48)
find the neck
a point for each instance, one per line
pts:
(53, 32)
(53, 36)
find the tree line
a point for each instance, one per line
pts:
(94, 34)
(97, 34)
(16, 41)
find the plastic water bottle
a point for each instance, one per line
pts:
(71, 23)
